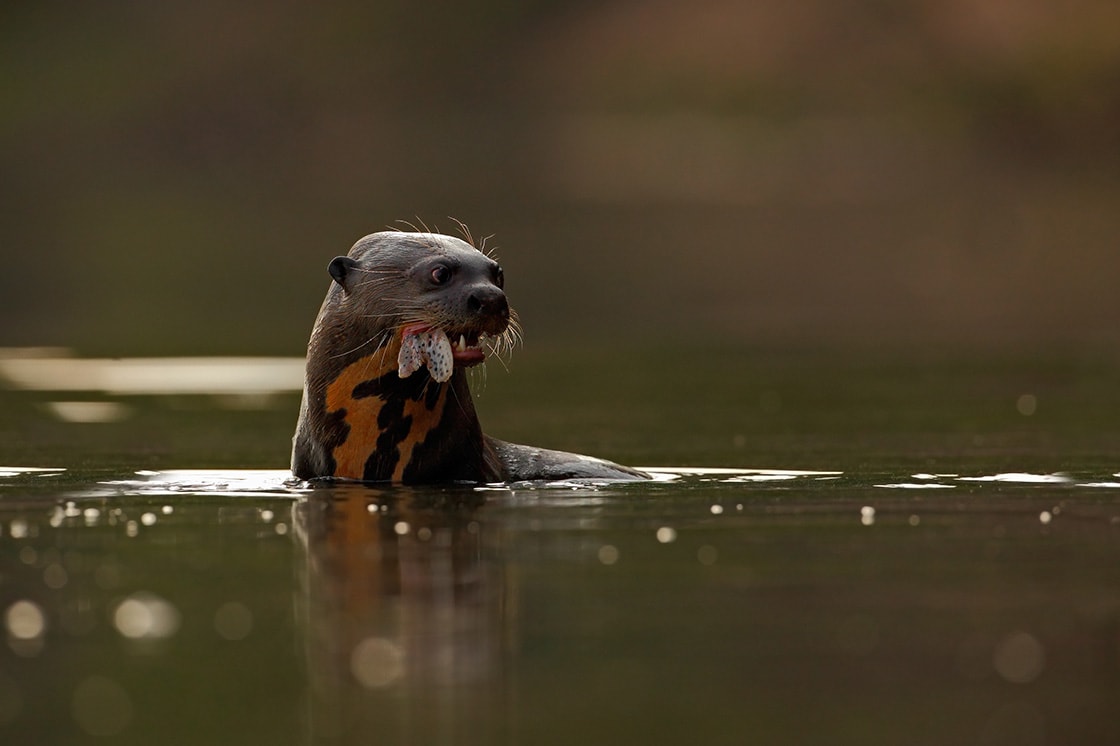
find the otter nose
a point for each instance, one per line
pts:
(488, 302)
(491, 305)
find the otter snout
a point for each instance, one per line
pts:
(489, 307)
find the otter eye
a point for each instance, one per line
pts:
(441, 274)
(499, 277)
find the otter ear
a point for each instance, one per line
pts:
(340, 267)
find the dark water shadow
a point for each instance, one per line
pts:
(406, 614)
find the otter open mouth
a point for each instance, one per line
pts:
(466, 348)
(423, 345)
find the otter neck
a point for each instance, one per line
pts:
(405, 430)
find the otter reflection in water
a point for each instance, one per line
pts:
(406, 620)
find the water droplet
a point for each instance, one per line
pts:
(377, 662)
(1019, 658)
(167, 510)
(1044, 517)
(1027, 404)
(281, 528)
(401, 528)
(267, 515)
(717, 509)
(148, 519)
(608, 554)
(18, 529)
(666, 535)
(867, 515)
(145, 616)
(25, 620)
(55, 576)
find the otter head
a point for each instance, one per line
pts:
(440, 297)
(385, 398)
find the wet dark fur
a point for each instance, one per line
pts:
(360, 420)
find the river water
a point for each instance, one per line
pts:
(859, 549)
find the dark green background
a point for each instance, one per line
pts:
(175, 176)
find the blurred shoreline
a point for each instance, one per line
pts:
(835, 175)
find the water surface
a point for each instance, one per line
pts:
(916, 554)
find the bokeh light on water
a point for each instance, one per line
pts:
(377, 662)
(1019, 658)
(233, 621)
(146, 616)
(25, 621)
(608, 554)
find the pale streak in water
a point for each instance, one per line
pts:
(186, 375)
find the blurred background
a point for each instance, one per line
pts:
(876, 237)
(175, 176)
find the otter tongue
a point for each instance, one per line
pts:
(429, 347)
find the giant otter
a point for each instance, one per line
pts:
(386, 397)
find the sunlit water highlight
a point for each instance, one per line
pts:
(281, 483)
(134, 376)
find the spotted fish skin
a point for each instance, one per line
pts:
(411, 356)
(431, 348)
(438, 351)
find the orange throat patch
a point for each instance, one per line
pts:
(371, 426)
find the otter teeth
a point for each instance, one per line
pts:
(464, 343)
(431, 348)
